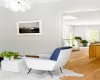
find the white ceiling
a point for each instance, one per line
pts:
(80, 5)
(86, 15)
(78, 9)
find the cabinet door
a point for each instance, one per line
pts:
(92, 53)
(97, 51)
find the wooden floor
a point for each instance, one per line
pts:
(80, 63)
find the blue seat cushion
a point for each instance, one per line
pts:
(56, 52)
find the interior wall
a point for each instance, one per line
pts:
(81, 31)
(32, 44)
(3, 19)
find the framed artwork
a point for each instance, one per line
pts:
(29, 27)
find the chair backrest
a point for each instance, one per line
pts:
(61, 55)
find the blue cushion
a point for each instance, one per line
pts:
(56, 52)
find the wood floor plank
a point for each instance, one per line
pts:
(89, 67)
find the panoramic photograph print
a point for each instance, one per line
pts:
(29, 27)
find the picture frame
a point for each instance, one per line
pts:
(29, 27)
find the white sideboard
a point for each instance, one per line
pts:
(16, 65)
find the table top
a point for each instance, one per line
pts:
(95, 44)
(15, 60)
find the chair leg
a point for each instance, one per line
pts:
(50, 74)
(29, 70)
(61, 70)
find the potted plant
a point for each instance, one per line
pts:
(78, 38)
(13, 54)
(8, 55)
(84, 42)
(5, 55)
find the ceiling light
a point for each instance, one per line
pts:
(17, 5)
(22, 5)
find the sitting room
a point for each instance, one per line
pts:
(49, 39)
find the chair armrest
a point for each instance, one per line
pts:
(40, 64)
(39, 59)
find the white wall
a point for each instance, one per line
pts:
(81, 31)
(3, 19)
(32, 44)
(45, 43)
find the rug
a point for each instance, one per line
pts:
(34, 75)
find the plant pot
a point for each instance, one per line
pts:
(11, 58)
(5, 58)
(16, 57)
(84, 45)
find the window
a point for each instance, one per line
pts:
(94, 35)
